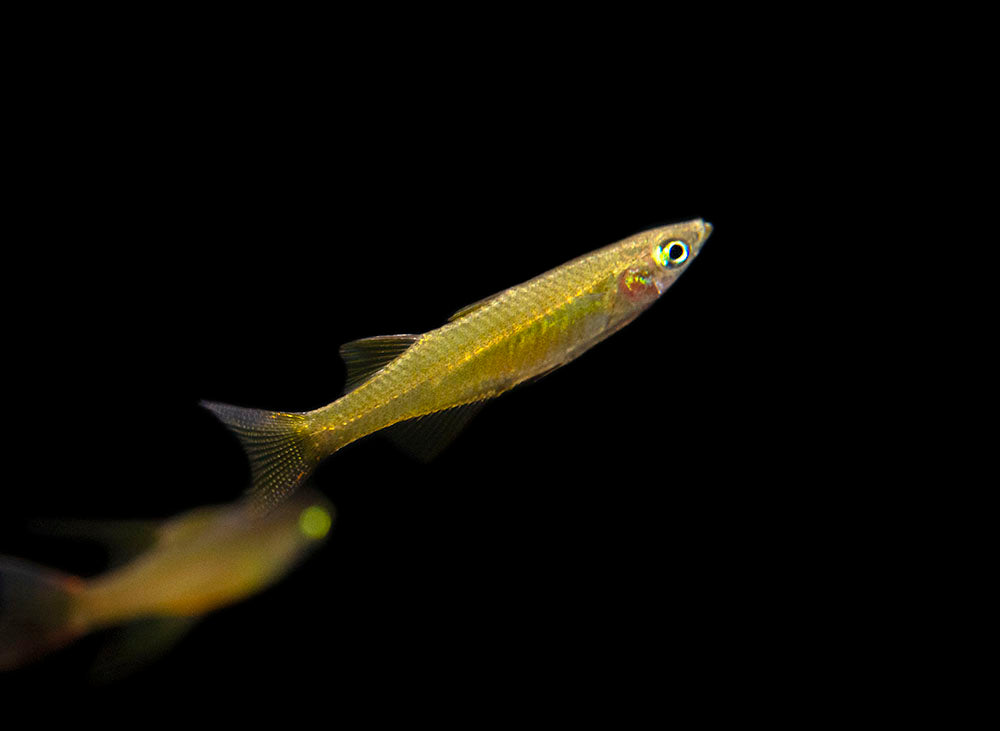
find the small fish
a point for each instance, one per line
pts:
(192, 564)
(426, 387)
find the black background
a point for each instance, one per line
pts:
(620, 527)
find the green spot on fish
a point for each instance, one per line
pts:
(315, 522)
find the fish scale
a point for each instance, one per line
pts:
(486, 349)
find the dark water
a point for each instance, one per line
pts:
(619, 527)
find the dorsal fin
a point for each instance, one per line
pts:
(122, 540)
(474, 306)
(367, 356)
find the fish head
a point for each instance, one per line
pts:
(313, 515)
(300, 525)
(292, 528)
(655, 259)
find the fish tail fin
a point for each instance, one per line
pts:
(279, 446)
(36, 611)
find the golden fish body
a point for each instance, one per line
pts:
(195, 563)
(206, 559)
(485, 349)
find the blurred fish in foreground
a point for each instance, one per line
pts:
(436, 380)
(194, 563)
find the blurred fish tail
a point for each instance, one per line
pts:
(279, 446)
(36, 611)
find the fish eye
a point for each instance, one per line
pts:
(671, 253)
(677, 252)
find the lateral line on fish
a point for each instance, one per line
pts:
(486, 345)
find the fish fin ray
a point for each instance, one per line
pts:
(278, 445)
(367, 356)
(425, 437)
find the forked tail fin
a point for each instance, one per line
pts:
(36, 611)
(278, 444)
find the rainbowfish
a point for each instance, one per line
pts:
(197, 562)
(438, 379)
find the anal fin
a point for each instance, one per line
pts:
(426, 436)
(137, 644)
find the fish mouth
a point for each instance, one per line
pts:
(705, 233)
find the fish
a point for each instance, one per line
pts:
(421, 390)
(182, 569)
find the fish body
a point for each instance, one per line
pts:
(197, 562)
(484, 350)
